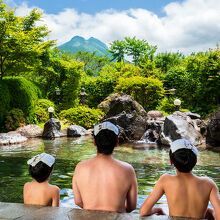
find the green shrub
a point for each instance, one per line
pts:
(24, 95)
(4, 101)
(167, 105)
(14, 119)
(98, 89)
(41, 111)
(146, 91)
(82, 115)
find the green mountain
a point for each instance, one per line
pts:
(78, 43)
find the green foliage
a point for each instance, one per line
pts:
(131, 47)
(4, 101)
(41, 111)
(120, 69)
(98, 89)
(60, 70)
(118, 50)
(146, 91)
(21, 41)
(92, 63)
(83, 116)
(139, 48)
(14, 119)
(197, 81)
(166, 60)
(23, 95)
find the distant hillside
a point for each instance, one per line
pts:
(78, 43)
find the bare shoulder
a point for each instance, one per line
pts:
(54, 188)
(165, 178)
(27, 185)
(124, 164)
(84, 163)
(207, 180)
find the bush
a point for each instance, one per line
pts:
(167, 105)
(146, 91)
(24, 95)
(41, 111)
(82, 115)
(14, 119)
(97, 89)
(4, 101)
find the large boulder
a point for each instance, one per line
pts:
(183, 125)
(213, 130)
(153, 130)
(76, 131)
(127, 114)
(52, 129)
(11, 138)
(30, 131)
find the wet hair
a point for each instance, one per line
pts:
(105, 141)
(40, 172)
(183, 159)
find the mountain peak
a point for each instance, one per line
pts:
(78, 43)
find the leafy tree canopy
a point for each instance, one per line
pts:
(21, 41)
(131, 47)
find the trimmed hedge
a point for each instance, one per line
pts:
(4, 101)
(82, 115)
(23, 95)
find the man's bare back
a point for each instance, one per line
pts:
(189, 194)
(41, 194)
(103, 183)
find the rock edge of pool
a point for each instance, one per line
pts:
(21, 211)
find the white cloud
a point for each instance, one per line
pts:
(192, 25)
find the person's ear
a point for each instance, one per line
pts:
(94, 142)
(171, 163)
(116, 144)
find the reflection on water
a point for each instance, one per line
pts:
(149, 161)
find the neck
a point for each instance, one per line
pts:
(104, 156)
(184, 174)
(45, 181)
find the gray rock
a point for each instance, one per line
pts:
(11, 138)
(52, 129)
(192, 115)
(180, 125)
(30, 130)
(154, 114)
(213, 131)
(153, 130)
(76, 131)
(127, 114)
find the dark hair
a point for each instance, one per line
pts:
(183, 159)
(40, 172)
(105, 141)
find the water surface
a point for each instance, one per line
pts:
(150, 163)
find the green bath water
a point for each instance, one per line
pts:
(149, 163)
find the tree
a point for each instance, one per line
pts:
(59, 70)
(139, 48)
(133, 48)
(92, 63)
(21, 41)
(118, 50)
(166, 60)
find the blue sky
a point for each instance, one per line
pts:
(185, 25)
(94, 6)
